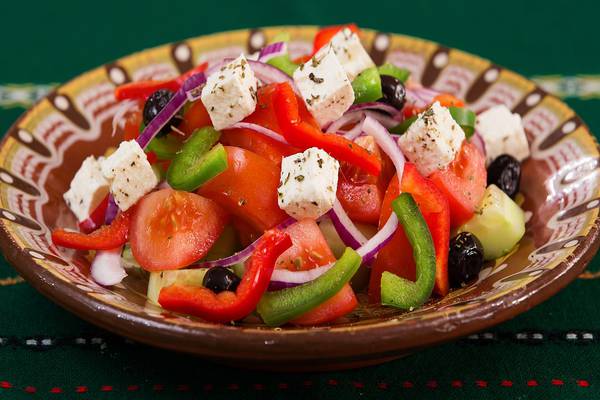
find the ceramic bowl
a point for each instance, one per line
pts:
(43, 149)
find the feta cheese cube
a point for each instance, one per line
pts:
(503, 133)
(350, 53)
(433, 140)
(308, 183)
(324, 87)
(230, 93)
(130, 174)
(88, 188)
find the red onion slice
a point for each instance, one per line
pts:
(107, 269)
(265, 73)
(283, 278)
(272, 50)
(240, 256)
(375, 105)
(354, 132)
(345, 228)
(477, 140)
(348, 118)
(420, 96)
(260, 129)
(178, 100)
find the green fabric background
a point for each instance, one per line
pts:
(54, 41)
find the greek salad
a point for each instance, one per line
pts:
(283, 187)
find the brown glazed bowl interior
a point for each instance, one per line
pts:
(44, 148)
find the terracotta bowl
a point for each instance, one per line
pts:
(561, 185)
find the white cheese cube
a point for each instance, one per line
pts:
(433, 140)
(308, 183)
(130, 174)
(503, 133)
(350, 53)
(324, 87)
(88, 188)
(230, 93)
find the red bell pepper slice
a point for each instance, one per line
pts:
(144, 89)
(397, 255)
(230, 306)
(107, 237)
(301, 134)
(327, 33)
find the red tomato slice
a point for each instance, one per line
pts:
(172, 229)
(133, 120)
(327, 33)
(194, 118)
(336, 307)
(247, 189)
(463, 183)
(361, 194)
(396, 256)
(310, 250)
(264, 115)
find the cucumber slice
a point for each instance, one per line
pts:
(498, 223)
(161, 279)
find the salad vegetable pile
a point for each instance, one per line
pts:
(282, 187)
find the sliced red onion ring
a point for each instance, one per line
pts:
(272, 50)
(178, 100)
(375, 105)
(345, 228)
(420, 96)
(354, 132)
(240, 256)
(88, 225)
(477, 140)
(260, 129)
(370, 249)
(283, 278)
(111, 210)
(107, 269)
(346, 119)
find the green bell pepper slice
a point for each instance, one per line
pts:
(278, 307)
(284, 63)
(399, 292)
(403, 126)
(196, 162)
(401, 74)
(165, 147)
(367, 86)
(465, 118)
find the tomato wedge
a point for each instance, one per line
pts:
(463, 183)
(195, 117)
(172, 229)
(265, 116)
(361, 194)
(397, 255)
(327, 33)
(310, 250)
(247, 189)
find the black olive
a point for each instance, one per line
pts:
(393, 90)
(155, 103)
(505, 172)
(219, 279)
(465, 258)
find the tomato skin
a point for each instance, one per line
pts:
(258, 143)
(361, 194)
(336, 307)
(133, 121)
(463, 183)
(448, 100)
(195, 117)
(327, 33)
(172, 229)
(396, 256)
(310, 250)
(247, 189)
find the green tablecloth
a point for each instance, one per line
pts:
(552, 351)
